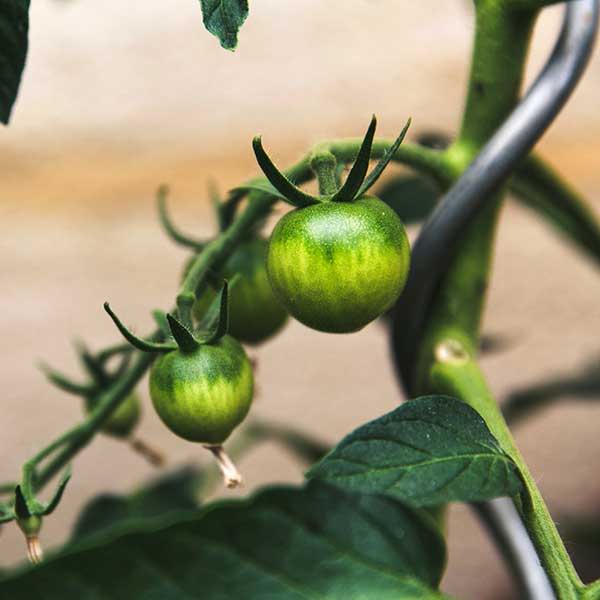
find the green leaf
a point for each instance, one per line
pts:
(172, 493)
(429, 451)
(14, 29)
(412, 197)
(224, 18)
(316, 542)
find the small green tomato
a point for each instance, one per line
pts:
(123, 420)
(255, 313)
(203, 395)
(337, 266)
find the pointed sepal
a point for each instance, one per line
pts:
(216, 322)
(182, 335)
(383, 163)
(169, 227)
(160, 318)
(358, 172)
(289, 192)
(136, 342)
(58, 492)
(64, 383)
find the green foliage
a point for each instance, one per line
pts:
(224, 18)
(429, 451)
(14, 29)
(171, 493)
(282, 543)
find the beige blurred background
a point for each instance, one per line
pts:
(121, 96)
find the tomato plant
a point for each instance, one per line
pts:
(368, 522)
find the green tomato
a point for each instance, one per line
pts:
(204, 395)
(122, 421)
(337, 266)
(255, 313)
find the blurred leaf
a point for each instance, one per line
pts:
(14, 29)
(311, 542)
(584, 385)
(429, 451)
(224, 18)
(540, 188)
(175, 492)
(411, 196)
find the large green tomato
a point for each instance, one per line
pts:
(336, 266)
(255, 313)
(122, 421)
(203, 395)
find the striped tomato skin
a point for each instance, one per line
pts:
(337, 266)
(204, 395)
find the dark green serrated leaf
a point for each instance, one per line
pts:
(316, 542)
(171, 493)
(429, 451)
(224, 18)
(14, 29)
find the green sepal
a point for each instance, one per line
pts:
(26, 505)
(358, 172)
(383, 163)
(136, 342)
(259, 185)
(58, 493)
(64, 383)
(160, 318)
(21, 509)
(168, 225)
(182, 335)
(216, 322)
(91, 364)
(217, 204)
(290, 192)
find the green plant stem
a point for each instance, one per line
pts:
(447, 354)
(213, 256)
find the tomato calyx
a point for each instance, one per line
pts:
(356, 185)
(177, 335)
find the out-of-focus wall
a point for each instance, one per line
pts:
(115, 91)
(120, 96)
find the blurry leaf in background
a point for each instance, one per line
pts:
(174, 492)
(14, 29)
(429, 451)
(390, 552)
(223, 18)
(183, 489)
(584, 385)
(582, 539)
(412, 197)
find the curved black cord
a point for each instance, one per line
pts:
(434, 249)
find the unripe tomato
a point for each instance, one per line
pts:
(122, 421)
(203, 395)
(337, 266)
(255, 314)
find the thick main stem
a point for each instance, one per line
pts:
(501, 43)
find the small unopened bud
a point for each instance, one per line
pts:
(231, 476)
(30, 526)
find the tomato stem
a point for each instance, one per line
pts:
(154, 456)
(231, 476)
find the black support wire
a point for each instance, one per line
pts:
(434, 247)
